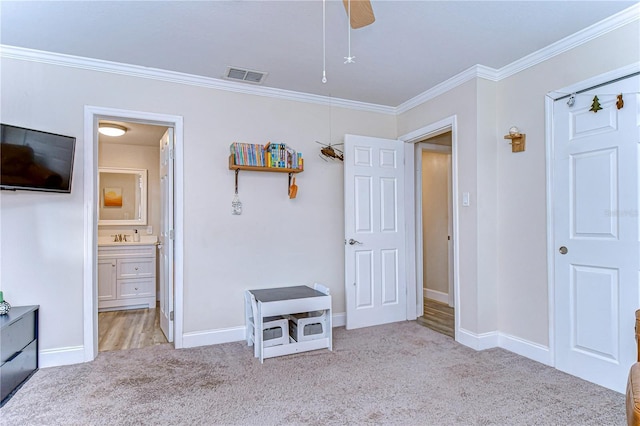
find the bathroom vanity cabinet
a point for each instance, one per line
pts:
(126, 276)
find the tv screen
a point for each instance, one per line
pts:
(33, 160)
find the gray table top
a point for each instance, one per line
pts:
(285, 293)
(15, 313)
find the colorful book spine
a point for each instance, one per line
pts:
(276, 155)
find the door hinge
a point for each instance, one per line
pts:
(171, 154)
(171, 234)
(171, 316)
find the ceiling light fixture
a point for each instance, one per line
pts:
(108, 129)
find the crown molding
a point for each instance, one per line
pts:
(596, 30)
(476, 71)
(32, 55)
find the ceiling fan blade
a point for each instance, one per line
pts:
(361, 13)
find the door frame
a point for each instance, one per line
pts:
(413, 199)
(93, 114)
(549, 101)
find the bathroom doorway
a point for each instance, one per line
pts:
(168, 269)
(435, 180)
(126, 319)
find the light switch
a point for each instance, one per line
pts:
(465, 199)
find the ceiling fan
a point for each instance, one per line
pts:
(361, 12)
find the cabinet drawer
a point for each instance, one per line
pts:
(14, 372)
(136, 288)
(136, 268)
(16, 336)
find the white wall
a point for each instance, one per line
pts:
(461, 102)
(435, 221)
(503, 269)
(276, 241)
(522, 276)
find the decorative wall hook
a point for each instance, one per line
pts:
(572, 100)
(619, 102)
(595, 106)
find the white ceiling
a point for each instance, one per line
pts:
(136, 134)
(411, 47)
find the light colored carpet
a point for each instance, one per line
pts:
(396, 374)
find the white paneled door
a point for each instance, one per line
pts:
(374, 231)
(595, 190)
(166, 234)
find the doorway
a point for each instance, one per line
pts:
(413, 177)
(131, 320)
(435, 222)
(172, 239)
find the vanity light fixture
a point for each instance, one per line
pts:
(108, 129)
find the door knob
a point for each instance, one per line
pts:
(354, 242)
(563, 250)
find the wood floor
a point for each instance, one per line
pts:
(135, 328)
(438, 316)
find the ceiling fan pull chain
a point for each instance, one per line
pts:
(349, 59)
(324, 41)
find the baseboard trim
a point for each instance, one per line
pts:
(61, 356)
(436, 295)
(234, 334)
(495, 339)
(477, 341)
(213, 337)
(527, 349)
(339, 320)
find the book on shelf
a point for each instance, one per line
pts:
(276, 155)
(245, 154)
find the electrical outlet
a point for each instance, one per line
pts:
(149, 230)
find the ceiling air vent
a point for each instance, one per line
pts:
(248, 76)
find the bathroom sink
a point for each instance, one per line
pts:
(107, 240)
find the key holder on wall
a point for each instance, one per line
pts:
(236, 204)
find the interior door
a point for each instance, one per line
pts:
(596, 233)
(165, 246)
(374, 231)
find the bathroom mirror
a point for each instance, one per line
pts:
(122, 196)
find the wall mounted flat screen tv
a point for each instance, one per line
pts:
(34, 160)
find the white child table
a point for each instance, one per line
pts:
(271, 302)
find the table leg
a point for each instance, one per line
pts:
(258, 333)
